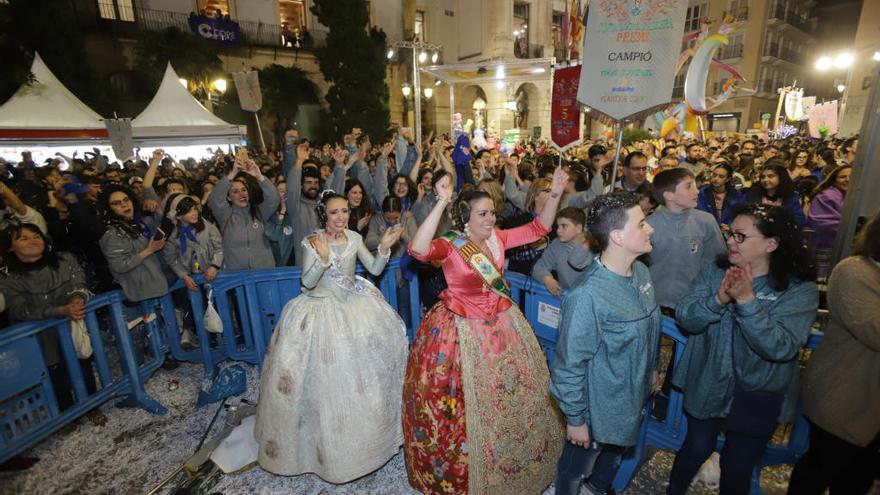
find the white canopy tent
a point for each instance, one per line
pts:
(44, 114)
(175, 118)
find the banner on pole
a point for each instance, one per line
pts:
(248, 86)
(823, 120)
(121, 139)
(565, 111)
(631, 53)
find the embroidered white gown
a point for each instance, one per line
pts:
(332, 379)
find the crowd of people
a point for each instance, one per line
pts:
(729, 236)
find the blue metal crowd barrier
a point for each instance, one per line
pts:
(249, 304)
(30, 408)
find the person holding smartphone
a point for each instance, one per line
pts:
(130, 244)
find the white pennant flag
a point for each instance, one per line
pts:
(119, 131)
(248, 86)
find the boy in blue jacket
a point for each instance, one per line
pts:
(606, 356)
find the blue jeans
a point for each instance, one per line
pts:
(740, 455)
(598, 464)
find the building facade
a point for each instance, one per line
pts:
(771, 49)
(866, 62)
(282, 32)
(475, 32)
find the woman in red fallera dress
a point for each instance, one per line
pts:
(477, 414)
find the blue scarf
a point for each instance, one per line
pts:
(186, 233)
(148, 233)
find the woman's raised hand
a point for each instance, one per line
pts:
(560, 179)
(319, 242)
(443, 189)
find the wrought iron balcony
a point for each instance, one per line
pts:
(252, 33)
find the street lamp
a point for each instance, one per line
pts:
(876, 56)
(220, 85)
(843, 60)
(841, 88)
(406, 90)
(429, 92)
(419, 50)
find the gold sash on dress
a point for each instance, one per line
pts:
(480, 263)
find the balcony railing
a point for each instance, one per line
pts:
(732, 51)
(157, 20)
(792, 56)
(791, 17)
(532, 50)
(252, 33)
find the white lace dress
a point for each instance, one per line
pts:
(331, 384)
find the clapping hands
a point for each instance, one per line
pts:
(390, 237)
(736, 286)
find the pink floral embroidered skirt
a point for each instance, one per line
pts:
(477, 414)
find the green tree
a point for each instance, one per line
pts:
(284, 90)
(50, 28)
(633, 134)
(353, 62)
(193, 58)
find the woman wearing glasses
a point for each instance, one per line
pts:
(748, 315)
(130, 243)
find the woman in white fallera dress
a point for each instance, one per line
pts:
(331, 385)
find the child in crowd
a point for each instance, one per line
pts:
(606, 356)
(686, 239)
(567, 256)
(194, 247)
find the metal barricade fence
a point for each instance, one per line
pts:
(30, 407)
(249, 304)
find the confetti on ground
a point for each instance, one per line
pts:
(135, 450)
